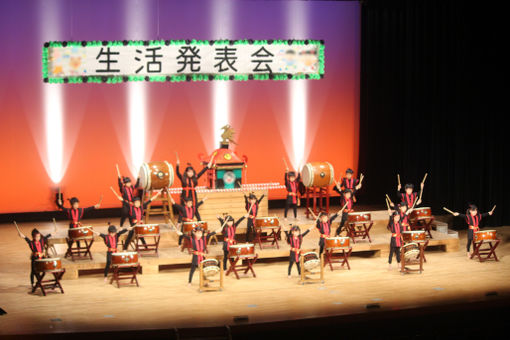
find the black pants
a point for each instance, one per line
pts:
(249, 230)
(321, 245)
(225, 259)
(292, 260)
(124, 214)
(32, 272)
(180, 237)
(130, 237)
(194, 266)
(394, 249)
(342, 222)
(108, 263)
(469, 239)
(289, 204)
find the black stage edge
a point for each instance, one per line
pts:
(477, 320)
(432, 100)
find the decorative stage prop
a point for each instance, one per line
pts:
(83, 238)
(359, 225)
(51, 266)
(317, 177)
(244, 252)
(181, 60)
(268, 230)
(421, 219)
(125, 267)
(338, 250)
(209, 269)
(308, 261)
(485, 237)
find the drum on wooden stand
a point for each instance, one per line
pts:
(48, 265)
(156, 175)
(311, 260)
(486, 235)
(317, 174)
(359, 217)
(125, 259)
(421, 213)
(414, 236)
(261, 222)
(147, 229)
(187, 227)
(337, 243)
(80, 233)
(210, 267)
(242, 250)
(411, 251)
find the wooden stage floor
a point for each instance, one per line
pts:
(164, 300)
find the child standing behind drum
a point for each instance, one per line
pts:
(349, 182)
(136, 213)
(229, 234)
(251, 205)
(291, 183)
(188, 211)
(347, 202)
(111, 240)
(396, 228)
(75, 214)
(409, 196)
(128, 193)
(189, 180)
(199, 246)
(295, 239)
(37, 246)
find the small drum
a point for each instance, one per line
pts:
(311, 260)
(411, 251)
(124, 259)
(210, 267)
(337, 242)
(80, 233)
(261, 222)
(156, 175)
(421, 213)
(147, 229)
(486, 235)
(187, 227)
(242, 250)
(359, 217)
(48, 265)
(317, 174)
(414, 236)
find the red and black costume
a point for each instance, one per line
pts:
(75, 215)
(408, 199)
(199, 247)
(189, 183)
(348, 184)
(345, 214)
(473, 223)
(295, 246)
(253, 214)
(324, 230)
(396, 229)
(38, 250)
(187, 214)
(111, 242)
(128, 193)
(229, 237)
(135, 217)
(404, 220)
(292, 194)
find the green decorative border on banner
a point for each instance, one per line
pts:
(178, 78)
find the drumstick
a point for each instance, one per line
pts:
(361, 178)
(341, 210)
(55, 224)
(389, 199)
(115, 193)
(398, 178)
(16, 224)
(118, 171)
(311, 211)
(448, 210)
(424, 177)
(387, 203)
(100, 199)
(285, 162)
(336, 184)
(494, 207)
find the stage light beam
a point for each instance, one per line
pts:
(298, 108)
(54, 126)
(137, 124)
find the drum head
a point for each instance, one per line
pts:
(307, 175)
(332, 173)
(170, 174)
(145, 176)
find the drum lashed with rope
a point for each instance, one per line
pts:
(317, 174)
(310, 260)
(156, 175)
(210, 267)
(411, 251)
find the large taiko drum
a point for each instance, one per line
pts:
(311, 260)
(48, 265)
(421, 213)
(411, 251)
(242, 250)
(317, 174)
(210, 267)
(80, 233)
(486, 235)
(156, 175)
(261, 222)
(187, 227)
(414, 236)
(125, 259)
(359, 217)
(337, 242)
(147, 229)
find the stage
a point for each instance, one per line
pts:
(164, 300)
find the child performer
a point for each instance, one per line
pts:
(128, 193)
(409, 197)
(396, 228)
(295, 239)
(199, 246)
(323, 224)
(136, 213)
(111, 240)
(349, 182)
(404, 216)
(189, 180)
(347, 202)
(37, 246)
(291, 183)
(75, 214)
(252, 205)
(188, 211)
(472, 218)
(228, 230)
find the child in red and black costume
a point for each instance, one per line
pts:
(110, 240)
(38, 248)
(251, 202)
(292, 186)
(347, 201)
(189, 181)
(199, 247)
(136, 213)
(229, 234)
(396, 228)
(295, 240)
(473, 219)
(404, 216)
(188, 211)
(128, 192)
(75, 213)
(409, 196)
(323, 224)
(348, 183)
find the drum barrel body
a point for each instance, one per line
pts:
(46, 265)
(156, 175)
(266, 222)
(242, 249)
(147, 229)
(337, 242)
(187, 227)
(359, 217)
(317, 174)
(124, 258)
(485, 235)
(80, 233)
